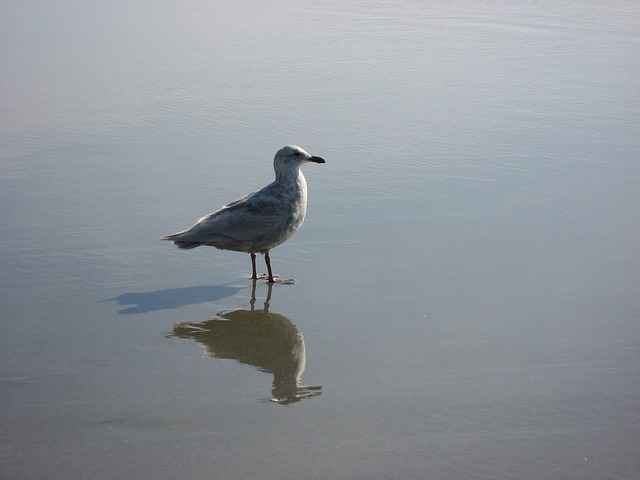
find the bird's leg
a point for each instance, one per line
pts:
(269, 276)
(254, 276)
(272, 279)
(267, 260)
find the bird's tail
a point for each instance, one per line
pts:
(181, 244)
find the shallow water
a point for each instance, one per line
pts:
(466, 298)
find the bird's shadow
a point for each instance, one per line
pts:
(145, 302)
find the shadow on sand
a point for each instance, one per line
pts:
(171, 298)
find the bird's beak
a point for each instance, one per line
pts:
(316, 159)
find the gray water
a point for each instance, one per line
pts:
(466, 300)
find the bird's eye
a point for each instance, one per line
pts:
(296, 154)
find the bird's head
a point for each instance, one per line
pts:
(293, 156)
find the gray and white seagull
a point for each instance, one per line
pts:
(261, 220)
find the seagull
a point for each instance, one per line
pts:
(261, 220)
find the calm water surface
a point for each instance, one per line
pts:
(466, 303)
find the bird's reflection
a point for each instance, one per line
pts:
(257, 337)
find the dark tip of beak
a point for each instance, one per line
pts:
(317, 159)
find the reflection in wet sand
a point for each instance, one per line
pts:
(265, 340)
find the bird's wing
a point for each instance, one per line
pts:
(246, 219)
